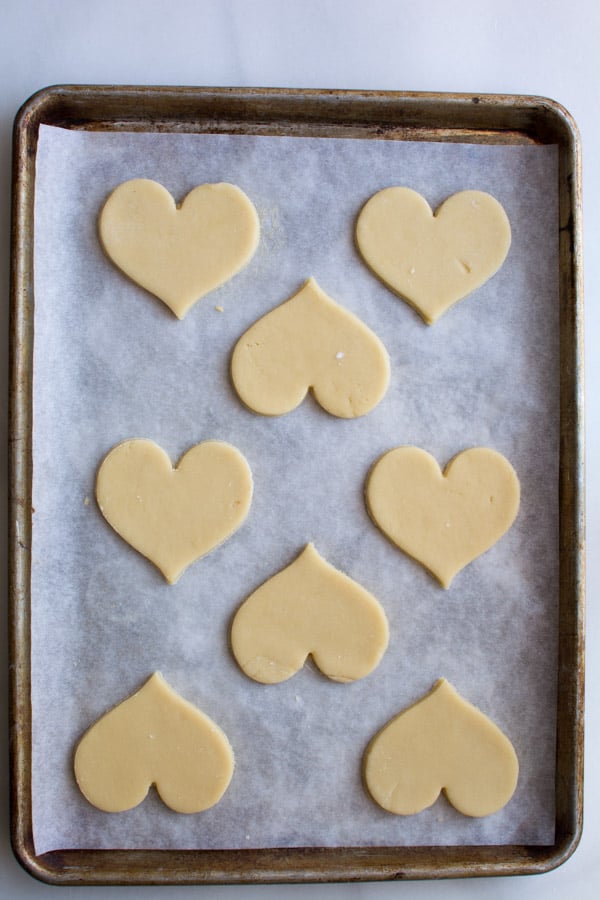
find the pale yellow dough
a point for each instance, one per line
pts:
(154, 737)
(174, 516)
(309, 608)
(441, 743)
(310, 342)
(179, 253)
(444, 520)
(432, 261)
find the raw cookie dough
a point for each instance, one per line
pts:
(309, 608)
(432, 260)
(170, 515)
(179, 253)
(444, 520)
(310, 342)
(154, 737)
(442, 742)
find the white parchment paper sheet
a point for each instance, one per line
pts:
(111, 362)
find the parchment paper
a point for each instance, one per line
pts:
(111, 362)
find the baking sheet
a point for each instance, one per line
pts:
(111, 363)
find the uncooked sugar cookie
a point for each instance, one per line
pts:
(179, 253)
(444, 520)
(174, 515)
(433, 260)
(310, 342)
(442, 742)
(154, 737)
(309, 608)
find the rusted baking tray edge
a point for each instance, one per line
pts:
(385, 115)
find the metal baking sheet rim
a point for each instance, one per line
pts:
(374, 114)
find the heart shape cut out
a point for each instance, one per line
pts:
(310, 342)
(433, 261)
(179, 254)
(442, 742)
(309, 608)
(444, 520)
(154, 737)
(173, 516)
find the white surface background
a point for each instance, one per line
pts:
(539, 47)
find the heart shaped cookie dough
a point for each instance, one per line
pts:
(444, 520)
(154, 737)
(441, 743)
(310, 342)
(174, 516)
(309, 608)
(432, 261)
(179, 253)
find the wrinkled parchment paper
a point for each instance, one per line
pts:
(111, 362)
